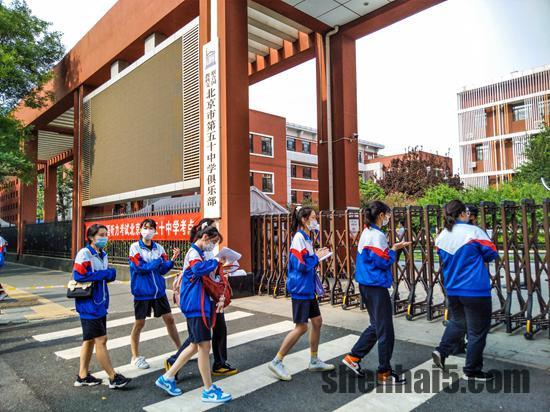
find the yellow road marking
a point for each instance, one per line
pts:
(43, 308)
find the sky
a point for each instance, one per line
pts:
(408, 74)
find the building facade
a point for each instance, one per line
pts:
(495, 121)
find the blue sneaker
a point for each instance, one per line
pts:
(215, 395)
(168, 386)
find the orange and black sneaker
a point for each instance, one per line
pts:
(353, 363)
(224, 370)
(390, 378)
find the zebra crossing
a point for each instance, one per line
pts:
(253, 378)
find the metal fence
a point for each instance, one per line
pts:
(519, 277)
(9, 233)
(48, 239)
(118, 250)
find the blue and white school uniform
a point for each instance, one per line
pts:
(194, 301)
(463, 253)
(300, 281)
(3, 244)
(374, 275)
(91, 266)
(148, 265)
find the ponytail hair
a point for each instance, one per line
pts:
(204, 227)
(201, 225)
(373, 210)
(453, 210)
(299, 213)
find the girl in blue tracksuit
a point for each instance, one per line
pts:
(373, 273)
(464, 250)
(300, 283)
(148, 265)
(3, 251)
(194, 303)
(91, 265)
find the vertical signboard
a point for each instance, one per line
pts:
(211, 132)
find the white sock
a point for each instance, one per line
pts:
(168, 378)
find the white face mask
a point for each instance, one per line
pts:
(209, 247)
(147, 234)
(386, 221)
(313, 225)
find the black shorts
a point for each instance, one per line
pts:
(93, 328)
(304, 309)
(198, 332)
(160, 306)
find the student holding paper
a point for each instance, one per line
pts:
(219, 333)
(373, 273)
(198, 307)
(302, 270)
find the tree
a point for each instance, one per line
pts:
(64, 192)
(537, 154)
(369, 190)
(28, 50)
(417, 171)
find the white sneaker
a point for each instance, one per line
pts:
(277, 367)
(141, 363)
(318, 365)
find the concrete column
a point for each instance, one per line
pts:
(77, 238)
(233, 99)
(344, 127)
(27, 194)
(50, 193)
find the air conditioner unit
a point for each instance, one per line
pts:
(539, 124)
(473, 165)
(469, 136)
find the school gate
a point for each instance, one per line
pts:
(162, 87)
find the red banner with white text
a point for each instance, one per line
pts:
(169, 227)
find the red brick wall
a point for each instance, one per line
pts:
(268, 124)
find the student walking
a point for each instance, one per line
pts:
(373, 273)
(463, 251)
(219, 332)
(300, 283)
(3, 251)
(91, 265)
(198, 308)
(148, 265)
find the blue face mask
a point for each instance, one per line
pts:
(101, 242)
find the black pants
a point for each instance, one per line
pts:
(378, 302)
(471, 315)
(219, 343)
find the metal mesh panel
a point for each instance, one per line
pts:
(191, 105)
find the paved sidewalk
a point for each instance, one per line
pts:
(500, 345)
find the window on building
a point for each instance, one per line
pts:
(250, 143)
(306, 147)
(251, 178)
(267, 183)
(267, 146)
(293, 171)
(306, 172)
(291, 144)
(479, 151)
(307, 196)
(293, 196)
(360, 157)
(521, 111)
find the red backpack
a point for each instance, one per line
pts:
(212, 288)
